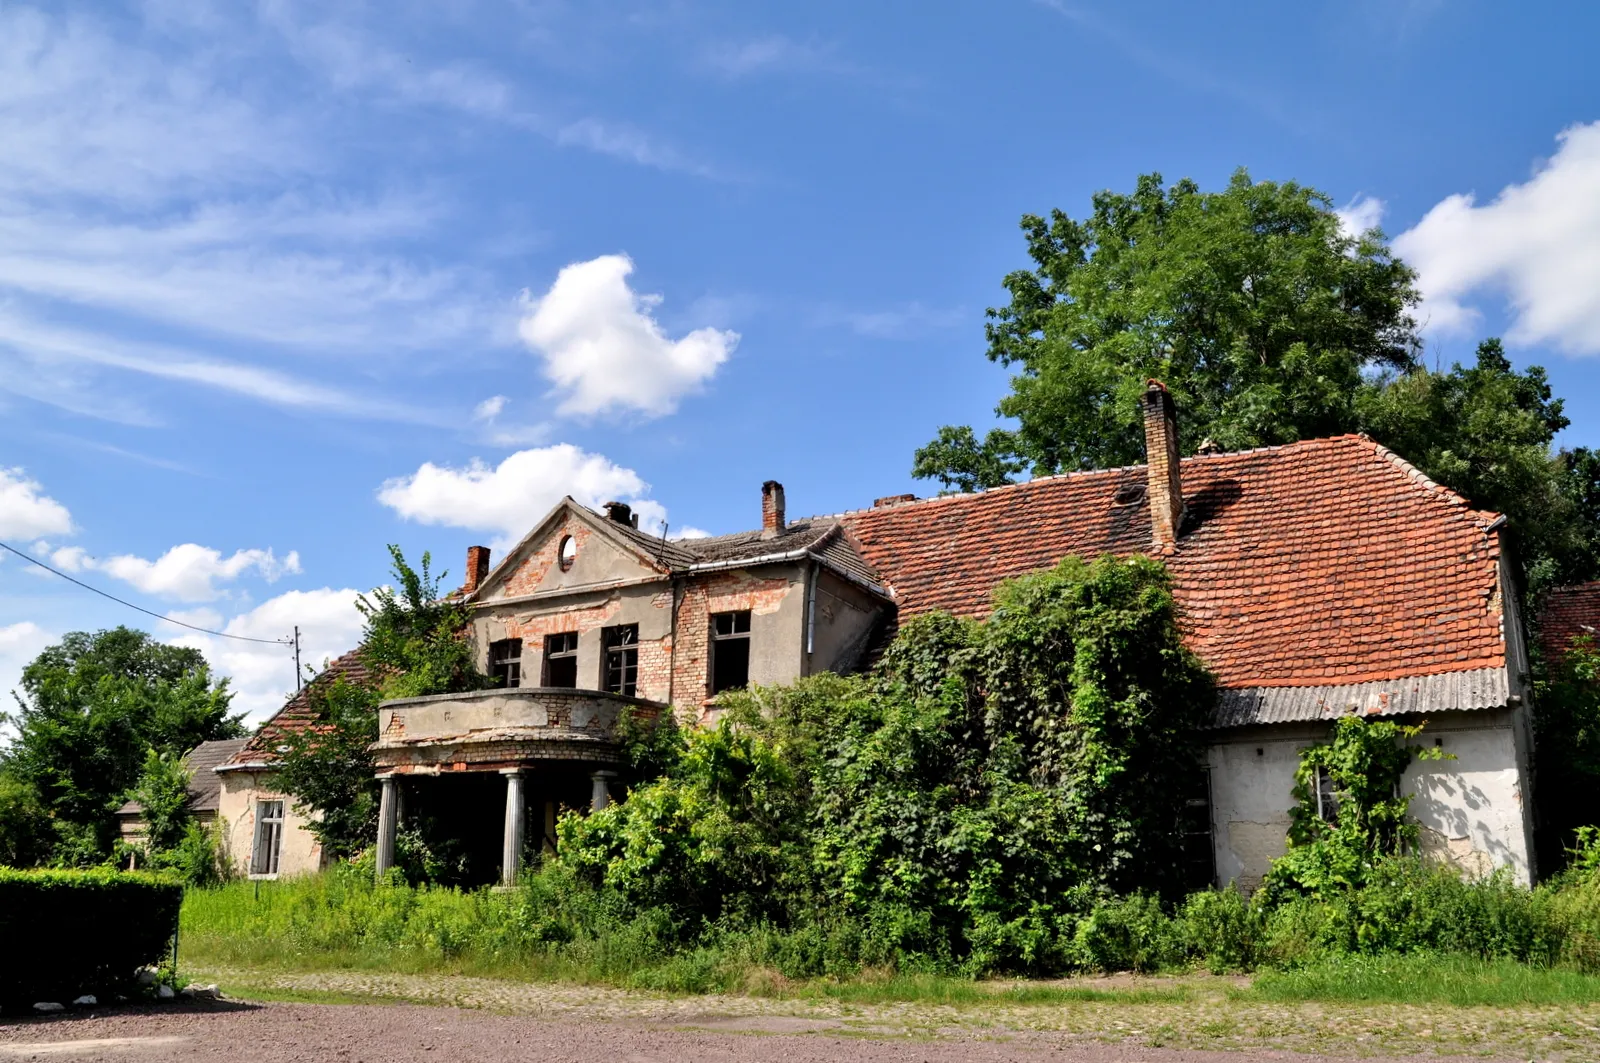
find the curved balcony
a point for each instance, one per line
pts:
(491, 730)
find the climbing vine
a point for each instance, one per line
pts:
(1349, 812)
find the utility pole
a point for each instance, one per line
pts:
(297, 658)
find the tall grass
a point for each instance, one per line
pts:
(1415, 933)
(1427, 978)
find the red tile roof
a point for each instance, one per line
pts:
(297, 713)
(1329, 561)
(1569, 612)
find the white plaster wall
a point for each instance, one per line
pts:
(300, 854)
(1252, 778)
(1470, 809)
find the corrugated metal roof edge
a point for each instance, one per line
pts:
(1477, 689)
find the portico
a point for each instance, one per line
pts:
(554, 747)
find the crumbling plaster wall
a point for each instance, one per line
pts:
(1471, 809)
(841, 625)
(300, 853)
(774, 595)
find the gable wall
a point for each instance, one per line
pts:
(841, 626)
(776, 598)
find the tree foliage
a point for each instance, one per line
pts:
(1269, 324)
(963, 802)
(1567, 748)
(1251, 304)
(91, 710)
(413, 643)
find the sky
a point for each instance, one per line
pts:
(283, 283)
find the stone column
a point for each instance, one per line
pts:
(516, 825)
(601, 796)
(388, 823)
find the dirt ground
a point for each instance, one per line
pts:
(235, 1032)
(375, 1017)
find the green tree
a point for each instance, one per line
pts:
(1486, 431)
(1567, 749)
(163, 796)
(1251, 304)
(414, 643)
(91, 709)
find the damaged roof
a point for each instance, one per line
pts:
(1569, 612)
(1326, 565)
(297, 713)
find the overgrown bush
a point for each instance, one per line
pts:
(73, 932)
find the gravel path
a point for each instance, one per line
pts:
(300, 1033)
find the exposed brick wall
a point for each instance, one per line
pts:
(723, 592)
(1165, 490)
(530, 574)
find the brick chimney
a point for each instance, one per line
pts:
(477, 568)
(1161, 451)
(620, 512)
(771, 509)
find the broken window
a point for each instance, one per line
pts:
(730, 651)
(1327, 797)
(269, 838)
(561, 659)
(622, 659)
(505, 662)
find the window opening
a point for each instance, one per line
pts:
(1327, 797)
(269, 838)
(730, 651)
(505, 662)
(566, 552)
(561, 659)
(622, 659)
(1199, 853)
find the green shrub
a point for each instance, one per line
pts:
(73, 932)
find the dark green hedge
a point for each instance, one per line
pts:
(65, 933)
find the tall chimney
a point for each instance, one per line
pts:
(477, 568)
(1161, 451)
(620, 512)
(771, 509)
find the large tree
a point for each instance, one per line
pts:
(1270, 323)
(91, 709)
(1252, 304)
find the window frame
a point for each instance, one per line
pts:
(551, 654)
(739, 629)
(507, 662)
(270, 825)
(621, 642)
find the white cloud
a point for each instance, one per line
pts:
(604, 349)
(1359, 215)
(26, 511)
(909, 321)
(489, 408)
(509, 498)
(690, 532)
(774, 52)
(188, 572)
(262, 676)
(1537, 244)
(19, 644)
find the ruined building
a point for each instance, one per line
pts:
(1315, 579)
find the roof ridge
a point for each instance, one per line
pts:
(1481, 517)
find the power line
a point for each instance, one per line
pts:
(142, 609)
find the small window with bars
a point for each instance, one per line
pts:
(621, 659)
(561, 659)
(269, 838)
(505, 662)
(730, 651)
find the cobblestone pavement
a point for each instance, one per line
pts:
(281, 1016)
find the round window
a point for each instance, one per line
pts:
(567, 552)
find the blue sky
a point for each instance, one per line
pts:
(282, 283)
